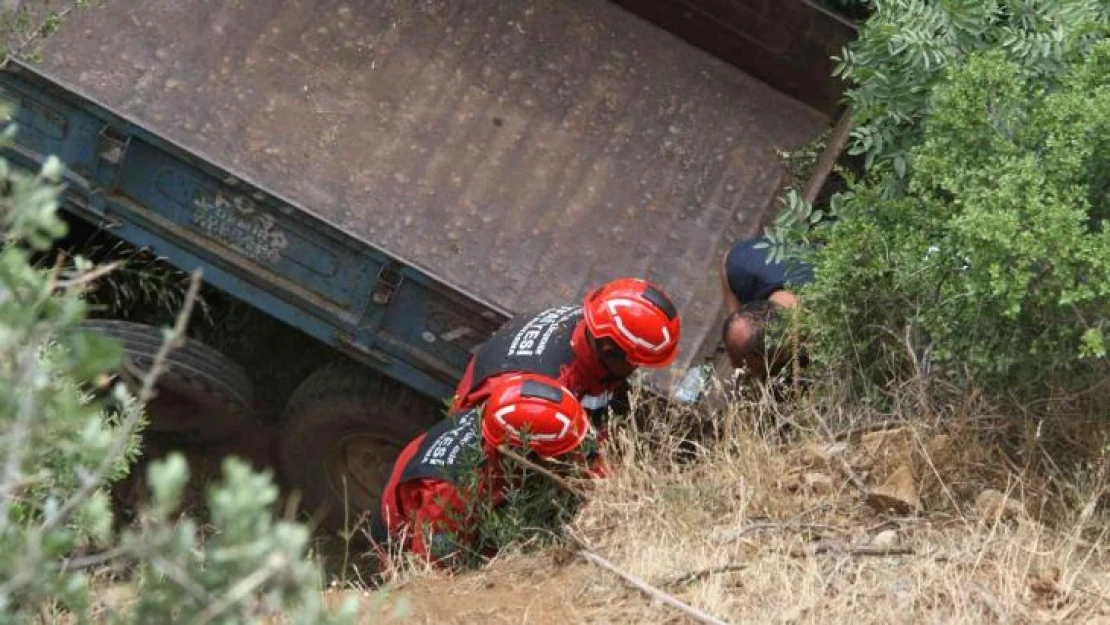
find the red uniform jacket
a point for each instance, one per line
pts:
(552, 342)
(423, 507)
(423, 502)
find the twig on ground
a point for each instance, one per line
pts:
(588, 553)
(824, 546)
(739, 533)
(95, 559)
(521, 460)
(650, 590)
(892, 522)
(694, 576)
(868, 428)
(128, 425)
(87, 277)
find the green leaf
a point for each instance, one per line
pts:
(900, 166)
(167, 478)
(1092, 344)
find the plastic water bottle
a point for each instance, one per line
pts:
(689, 389)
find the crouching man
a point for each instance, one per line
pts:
(442, 476)
(755, 293)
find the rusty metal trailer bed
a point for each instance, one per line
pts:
(395, 177)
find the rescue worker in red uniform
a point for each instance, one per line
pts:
(424, 503)
(591, 349)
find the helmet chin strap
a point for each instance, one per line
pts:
(612, 376)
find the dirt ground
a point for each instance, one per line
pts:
(521, 590)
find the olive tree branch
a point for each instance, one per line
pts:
(127, 427)
(528, 464)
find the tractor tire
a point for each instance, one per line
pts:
(201, 393)
(343, 428)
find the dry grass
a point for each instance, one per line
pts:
(751, 529)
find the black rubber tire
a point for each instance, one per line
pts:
(201, 392)
(339, 402)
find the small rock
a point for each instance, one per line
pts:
(818, 483)
(887, 539)
(819, 455)
(897, 494)
(992, 505)
(791, 482)
(896, 442)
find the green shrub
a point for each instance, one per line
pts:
(995, 262)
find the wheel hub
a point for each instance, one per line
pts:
(359, 469)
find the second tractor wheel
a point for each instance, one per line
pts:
(344, 427)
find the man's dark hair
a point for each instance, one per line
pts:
(759, 314)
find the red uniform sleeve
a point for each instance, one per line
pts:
(433, 514)
(461, 400)
(594, 465)
(467, 395)
(598, 466)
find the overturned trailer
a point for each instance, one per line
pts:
(396, 177)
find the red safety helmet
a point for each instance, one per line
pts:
(552, 417)
(638, 317)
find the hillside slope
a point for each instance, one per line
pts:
(754, 530)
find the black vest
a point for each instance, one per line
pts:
(537, 344)
(440, 456)
(442, 453)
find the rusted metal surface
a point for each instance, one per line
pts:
(523, 151)
(789, 44)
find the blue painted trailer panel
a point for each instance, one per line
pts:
(263, 249)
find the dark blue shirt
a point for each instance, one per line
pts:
(751, 278)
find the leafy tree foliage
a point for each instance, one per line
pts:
(995, 260)
(975, 241)
(906, 48)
